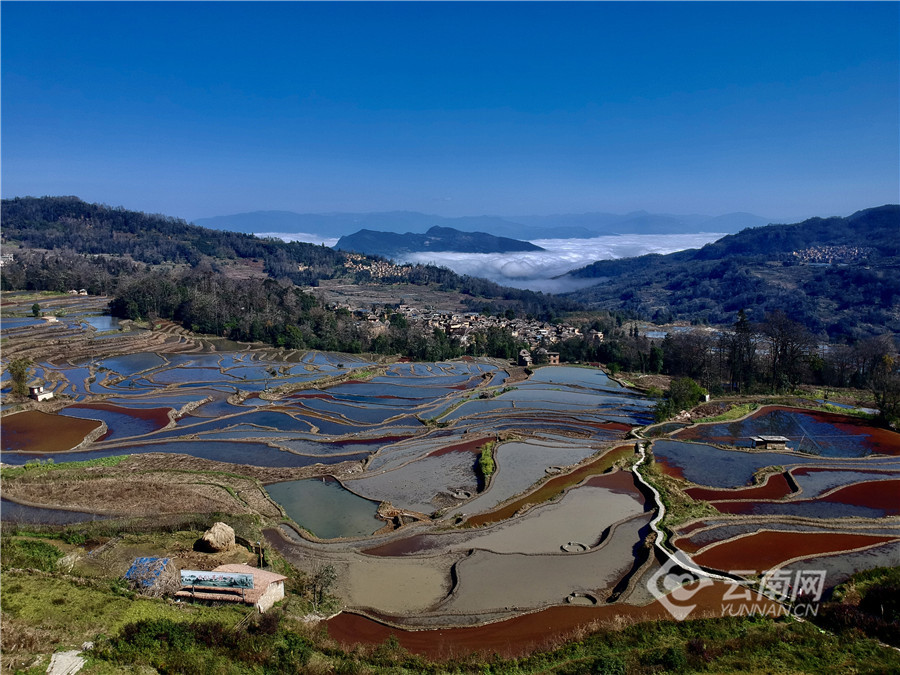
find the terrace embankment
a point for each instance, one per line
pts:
(703, 533)
(523, 634)
(142, 485)
(775, 486)
(765, 550)
(354, 376)
(880, 496)
(147, 420)
(52, 342)
(552, 487)
(825, 433)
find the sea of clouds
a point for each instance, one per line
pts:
(536, 270)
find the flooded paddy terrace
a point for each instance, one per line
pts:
(829, 502)
(418, 536)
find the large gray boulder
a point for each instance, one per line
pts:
(220, 537)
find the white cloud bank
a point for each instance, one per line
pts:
(535, 270)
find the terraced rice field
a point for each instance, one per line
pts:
(418, 536)
(816, 433)
(830, 502)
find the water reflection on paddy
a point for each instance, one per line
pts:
(802, 509)
(814, 481)
(77, 378)
(191, 376)
(18, 322)
(571, 398)
(824, 434)
(218, 407)
(175, 401)
(539, 580)
(195, 360)
(521, 464)
(121, 422)
(266, 419)
(333, 360)
(355, 413)
(841, 566)
(592, 378)
(393, 455)
(445, 381)
(324, 448)
(236, 452)
(102, 323)
(580, 516)
(13, 512)
(387, 389)
(717, 531)
(418, 486)
(708, 465)
(263, 372)
(133, 363)
(325, 508)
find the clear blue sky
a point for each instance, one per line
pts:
(198, 109)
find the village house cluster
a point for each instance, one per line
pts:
(537, 334)
(831, 255)
(378, 269)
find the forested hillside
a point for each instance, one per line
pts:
(64, 242)
(838, 275)
(57, 223)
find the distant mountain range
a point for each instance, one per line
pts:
(563, 226)
(393, 245)
(64, 242)
(840, 275)
(835, 275)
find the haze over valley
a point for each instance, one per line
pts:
(570, 240)
(538, 271)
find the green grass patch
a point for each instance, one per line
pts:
(852, 412)
(29, 554)
(734, 413)
(36, 467)
(861, 582)
(486, 460)
(739, 645)
(158, 531)
(868, 602)
(177, 646)
(279, 645)
(78, 610)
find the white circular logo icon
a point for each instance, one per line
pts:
(669, 585)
